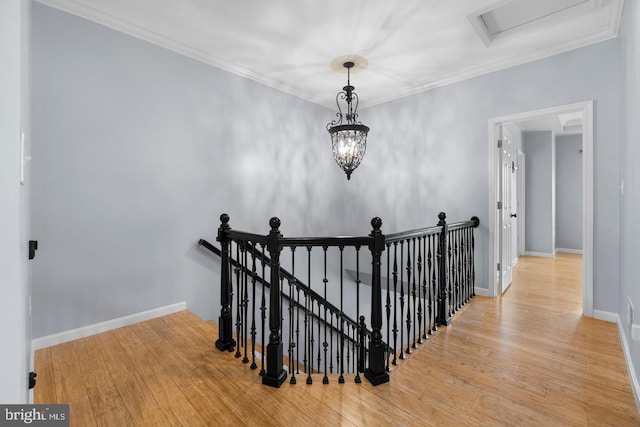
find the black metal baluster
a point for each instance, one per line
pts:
(401, 300)
(428, 276)
(238, 302)
(473, 254)
(465, 271)
(414, 292)
(307, 297)
(319, 359)
(292, 344)
(450, 277)
(331, 345)
(452, 271)
(357, 330)
(408, 321)
(355, 345)
(395, 305)
(310, 318)
(254, 275)
(263, 310)
(297, 329)
(282, 314)
(461, 268)
(362, 330)
(420, 293)
(470, 261)
(245, 302)
(425, 289)
(325, 344)
(435, 288)
(341, 377)
(388, 308)
(348, 368)
(459, 271)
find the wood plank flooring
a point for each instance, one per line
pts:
(525, 359)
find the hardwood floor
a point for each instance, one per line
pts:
(525, 359)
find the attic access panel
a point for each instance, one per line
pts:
(515, 16)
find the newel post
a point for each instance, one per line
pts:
(376, 372)
(275, 374)
(225, 322)
(444, 308)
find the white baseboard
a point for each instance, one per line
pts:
(569, 251)
(540, 254)
(635, 385)
(605, 315)
(482, 292)
(108, 325)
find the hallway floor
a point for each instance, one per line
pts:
(528, 358)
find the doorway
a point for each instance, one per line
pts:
(498, 216)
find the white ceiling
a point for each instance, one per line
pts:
(409, 45)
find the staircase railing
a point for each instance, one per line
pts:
(431, 267)
(298, 286)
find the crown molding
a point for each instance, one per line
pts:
(604, 34)
(78, 8)
(98, 16)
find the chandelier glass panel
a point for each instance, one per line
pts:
(348, 136)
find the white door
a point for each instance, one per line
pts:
(522, 209)
(515, 208)
(505, 210)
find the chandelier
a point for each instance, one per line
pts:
(348, 136)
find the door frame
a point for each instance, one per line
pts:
(587, 199)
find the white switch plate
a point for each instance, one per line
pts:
(635, 332)
(22, 159)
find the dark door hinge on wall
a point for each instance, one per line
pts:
(499, 205)
(499, 143)
(498, 266)
(33, 247)
(32, 380)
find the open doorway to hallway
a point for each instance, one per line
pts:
(523, 218)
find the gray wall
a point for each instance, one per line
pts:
(630, 172)
(138, 150)
(432, 153)
(569, 192)
(539, 152)
(15, 327)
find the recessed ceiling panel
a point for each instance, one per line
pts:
(513, 17)
(515, 13)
